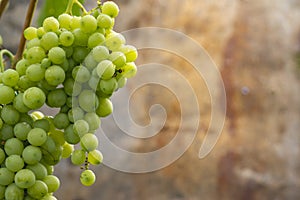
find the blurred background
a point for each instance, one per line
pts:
(256, 46)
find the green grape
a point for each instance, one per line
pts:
(78, 157)
(66, 38)
(114, 41)
(105, 107)
(13, 146)
(81, 74)
(39, 170)
(21, 66)
(34, 98)
(33, 43)
(6, 132)
(75, 22)
(81, 127)
(30, 33)
(51, 24)
(35, 72)
(80, 38)
(13, 192)
(38, 190)
(24, 178)
(68, 50)
(61, 121)
(57, 55)
(110, 8)
(14, 163)
(43, 124)
(46, 62)
(32, 155)
(52, 183)
(88, 24)
(64, 20)
(2, 188)
(2, 155)
(129, 70)
(6, 176)
(118, 59)
(93, 121)
(93, 82)
(79, 54)
(35, 54)
(100, 53)
(19, 104)
(37, 115)
(89, 142)
(70, 136)
(24, 83)
(75, 114)
(40, 32)
(95, 157)
(7, 94)
(26, 118)
(105, 69)
(108, 86)
(71, 88)
(57, 136)
(10, 77)
(87, 177)
(10, 115)
(56, 98)
(21, 130)
(121, 81)
(49, 40)
(48, 197)
(67, 150)
(95, 39)
(104, 21)
(37, 136)
(89, 62)
(88, 100)
(55, 75)
(49, 145)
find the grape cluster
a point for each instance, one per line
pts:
(74, 63)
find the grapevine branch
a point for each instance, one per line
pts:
(3, 5)
(29, 16)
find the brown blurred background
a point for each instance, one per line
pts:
(256, 46)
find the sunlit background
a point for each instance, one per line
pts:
(256, 47)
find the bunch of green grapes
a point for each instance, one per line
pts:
(74, 63)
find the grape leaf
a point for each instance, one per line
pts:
(55, 8)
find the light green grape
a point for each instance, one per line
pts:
(70, 136)
(81, 127)
(51, 24)
(10, 115)
(35, 42)
(105, 107)
(19, 104)
(105, 69)
(75, 114)
(88, 24)
(87, 177)
(2, 188)
(129, 70)
(7, 94)
(114, 41)
(14, 163)
(89, 142)
(110, 8)
(39, 170)
(61, 121)
(81, 74)
(118, 59)
(79, 54)
(57, 55)
(21, 130)
(80, 38)
(56, 98)
(49, 40)
(6, 176)
(89, 62)
(100, 53)
(42, 123)
(32, 155)
(96, 39)
(88, 100)
(95, 157)
(108, 86)
(55, 75)
(34, 98)
(14, 192)
(24, 178)
(35, 54)
(104, 21)
(52, 183)
(93, 121)
(37, 136)
(38, 190)
(13, 146)
(75, 22)
(78, 157)
(64, 20)
(10, 77)
(66, 38)
(67, 150)
(21, 66)
(30, 33)
(6, 132)
(35, 72)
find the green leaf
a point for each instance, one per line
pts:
(55, 8)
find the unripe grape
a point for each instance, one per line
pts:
(66, 38)
(35, 72)
(55, 75)
(49, 40)
(6, 176)
(30, 33)
(87, 178)
(88, 24)
(57, 55)
(64, 20)
(105, 107)
(95, 157)
(78, 157)
(14, 192)
(7, 94)
(38, 190)
(34, 98)
(89, 142)
(110, 8)
(35, 54)
(10, 77)
(51, 24)
(52, 183)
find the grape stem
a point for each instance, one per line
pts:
(2, 61)
(3, 6)
(71, 4)
(29, 16)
